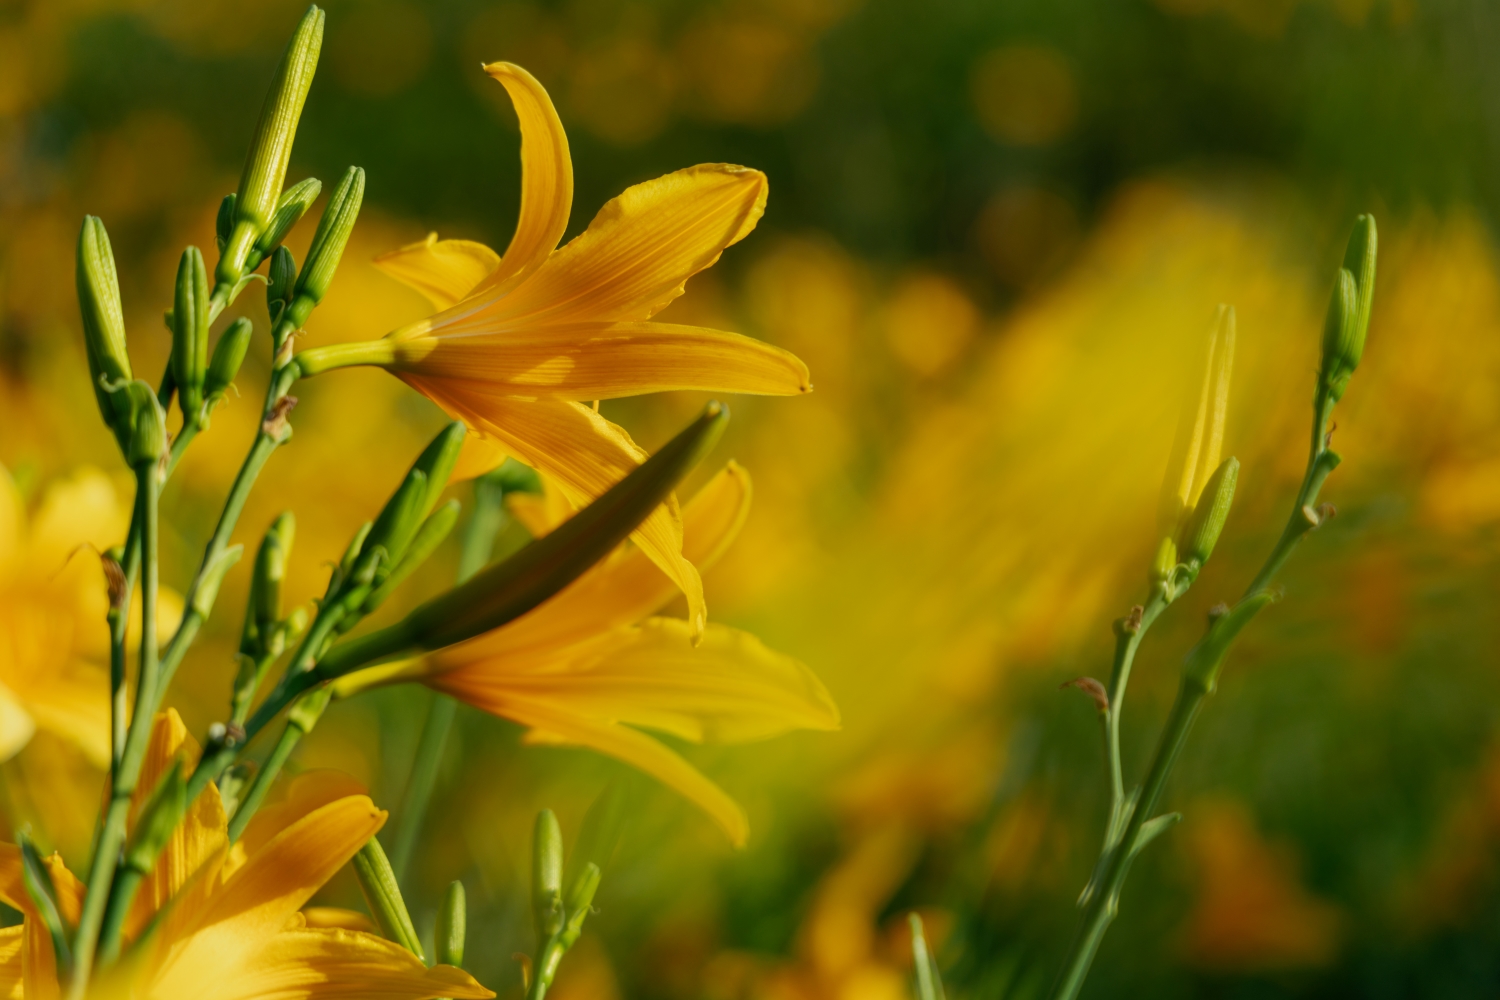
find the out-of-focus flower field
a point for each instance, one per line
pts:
(996, 233)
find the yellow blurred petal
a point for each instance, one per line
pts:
(553, 725)
(476, 456)
(445, 271)
(1200, 427)
(618, 592)
(12, 519)
(728, 688)
(335, 917)
(75, 705)
(546, 179)
(540, 513)
(303, 794)
(606, 360)
(640, 249)
(16, 724)
(326, 962)
(583, 453)
(387, 673)
(11, 963)
(39, 966)
(81, 509)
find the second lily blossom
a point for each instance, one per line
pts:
(520, 343)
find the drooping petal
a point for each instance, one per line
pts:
(255, 903)
(728, 688)
(583, 453)
(588, 360)
(445, 271)
(554, 725)
(305, 793)
(637, 254)
(337, 917)
(546, 179)
(618, 592)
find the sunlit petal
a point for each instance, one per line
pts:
(445, 271)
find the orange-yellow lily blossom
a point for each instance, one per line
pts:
(592, 664)
(520, 342)
(53, 601)
(229, 925)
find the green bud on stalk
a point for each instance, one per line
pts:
(293, 205)
(581, 897)
(1343, 341)
(399, 519)
(103, 324)
(438, 526)
(1201, 532)
(328, 245)
(224, 223)
(546, 876)
(283, 280)
(229, 354)
(600, 834)
(146, 433)
(452, 926)
(271, 149)
(383, 896)
(264, 614)
(309, 709)
(157, 819)
(438, 459)
(190, 334)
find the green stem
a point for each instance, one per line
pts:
(125, 776)
(121, 895)
(290, 736)
(1127, 643)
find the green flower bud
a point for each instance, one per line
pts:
(103, 323)
(428, 537)
(224, 223)
(546, 876)
(581, 897)
(328, 243)
(602, 827)
(229, 354)
(294, 203)
(283, 281)
(271, 149)
(1359, 260)
(264, 614)
(156, 821)
(452, 926)
(1203, 526)
(438, 460)
(146, 429)
(383, 896)
(190, 333)
(1343, 341)
(399, 519)
(508, 589)
(309, 709)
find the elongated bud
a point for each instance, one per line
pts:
(437, 527)
(383, 896)
(103, 322)
(224, 223)
(399, 519)
(452, 926)
(309, 709)
(328, 244)
(1343, 341)
(581, 896)
(229, 354)
(1200, 426)
(282, 282)
(508, 589)
(1201, 532)
(147, 432)
(438, 460)
(271, 149)
(190, 333)
(546, 876)
(264, 613)
(157, 820)
(602, 827)
(292, 206)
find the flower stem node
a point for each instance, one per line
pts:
(1201, 667)
(259, 192)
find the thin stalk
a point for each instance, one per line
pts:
(1129, 639)
(133, 755)
(479, 543)
(290, 736)
(121, 895)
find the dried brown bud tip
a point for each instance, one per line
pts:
(1093, 689)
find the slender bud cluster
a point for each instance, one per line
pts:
(190, 334)
(229, 354)
(327, 247)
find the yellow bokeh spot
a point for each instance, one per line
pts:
(929, 321)
(1025, 234)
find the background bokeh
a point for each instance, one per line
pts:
(996, 231)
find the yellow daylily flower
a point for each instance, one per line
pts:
(221, 921)
(520, 342)
(54, 641)
(593, 664)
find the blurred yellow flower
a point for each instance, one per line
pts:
(232, 930)
(520, 342)
(53, 601)
(593, 663)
